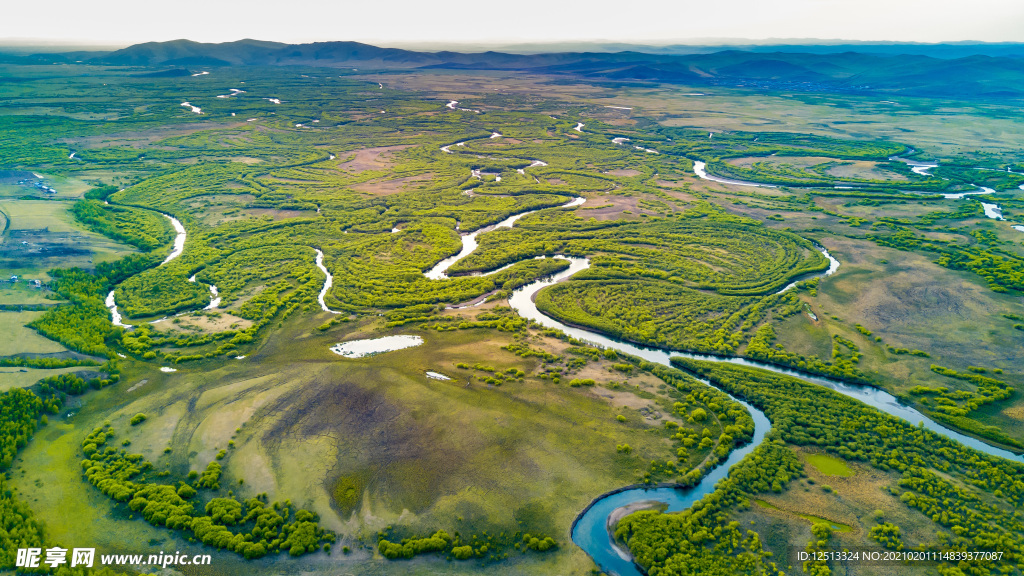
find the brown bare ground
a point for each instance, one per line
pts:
(610, 207)
(245, 159)
(842, 169)
(209, 324)
(277, 214)
(392, 186)
(1015, 412)
(378, 158)
(624, 172)
(141, 139)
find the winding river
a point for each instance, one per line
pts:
(591, 530)
(179, 239)
(701, 172)
(469, 243)
(833, 265)
(916, 166)
(961, 195)
(700, 169)
(327, 283)
(179, 247)
(992, 211)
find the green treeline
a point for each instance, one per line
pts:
(701, 407)
(971, 176)
(83, 324)
(762, 347)
(251, 529)
(954, 406)
(702, 248)
(971, 496)
(154, 292)
(817, 176)
(1002, 269)
(22, 411)
(144, 229)
(438, 542)
(20, 417)
(726, 145)
(45, 362)
(657, 313)
(704, 539)
(18, 527)
(458, 548)
(691, 282)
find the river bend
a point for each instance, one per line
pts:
(591, 531)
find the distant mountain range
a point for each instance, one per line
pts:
(872, 68)
(709, 46)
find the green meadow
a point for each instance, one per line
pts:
(230, 427)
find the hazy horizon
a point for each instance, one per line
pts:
(28, 45)
(110, 23)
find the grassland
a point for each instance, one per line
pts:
(935, 127)
(22, 339)
(828, 465)
(980, 508)
(340, 164)
(19, 339)
(418, 451)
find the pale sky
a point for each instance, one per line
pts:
(388, 22)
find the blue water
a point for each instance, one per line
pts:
(590, 530)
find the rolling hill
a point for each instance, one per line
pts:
(804, 68)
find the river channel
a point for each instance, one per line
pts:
(180, 235)
(591, 530)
